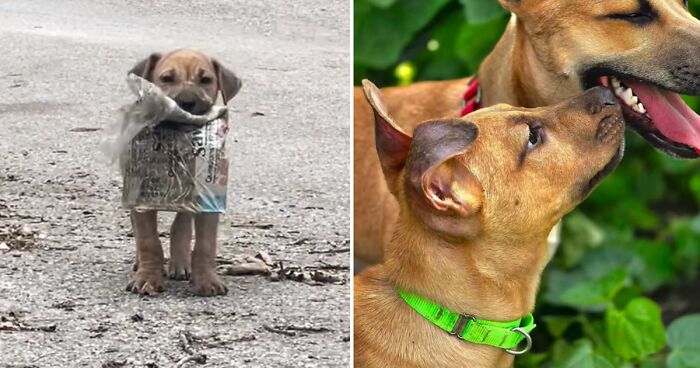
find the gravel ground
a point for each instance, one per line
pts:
(62, 280)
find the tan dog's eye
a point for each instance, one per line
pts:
(166, 78)
(206, 80)
(535, 138)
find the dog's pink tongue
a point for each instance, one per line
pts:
(670, 114)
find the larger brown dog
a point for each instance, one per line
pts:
(193, 80)
(551, 50)
(478, 197)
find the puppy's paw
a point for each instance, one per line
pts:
(135, 268)
(178, 270)
(146, 283)
(208, 284)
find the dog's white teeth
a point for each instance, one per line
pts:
(615, 82)
(639, 108)
(627, 96)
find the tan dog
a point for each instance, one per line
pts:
(478, 197)
(193, 80)
(551, 50)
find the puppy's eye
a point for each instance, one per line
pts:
(535, 138)
(167, 78)
(206, 80)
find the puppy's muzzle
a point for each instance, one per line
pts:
(192, 102)
(600, 103)
(597, 100)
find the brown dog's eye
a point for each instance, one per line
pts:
(206, 80)
(166, 78)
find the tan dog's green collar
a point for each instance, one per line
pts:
(504, 335)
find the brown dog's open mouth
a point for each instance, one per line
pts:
(605, 171)
(658, 115)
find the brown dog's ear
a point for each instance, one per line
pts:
(436, 174)
(229, 83)
(144, 68)
(511, 5)
(392, 143)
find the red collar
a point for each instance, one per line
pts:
(471, 101)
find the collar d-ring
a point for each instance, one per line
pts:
(528, 342)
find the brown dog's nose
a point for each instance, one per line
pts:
(596, 99)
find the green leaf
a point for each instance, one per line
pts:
(381, 34)
(532, 360)
(480, 11)
(658, 264)
(684, 332)
(579, 235)
(686, 255)
(635, 331)
(582, 355)
(650, 364)
(382, 3)
(475, 41)
(557, 325)
(595, 292)
(608, 258)
(684, 338)
(695, 186)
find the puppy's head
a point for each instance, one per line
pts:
(190, 78)
(504, 172)
(645, 51)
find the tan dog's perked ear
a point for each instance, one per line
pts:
(229, 83)
(144, 68)
(442, 190)
(392, 143)
(439, 187)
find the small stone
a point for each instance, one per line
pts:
(4, 246)
(265, 257)
(25, 230)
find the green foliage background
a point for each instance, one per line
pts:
(624, 284)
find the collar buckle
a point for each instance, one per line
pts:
(461, 325)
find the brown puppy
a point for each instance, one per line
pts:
(478, 197)
(193, 80)
(551, 50)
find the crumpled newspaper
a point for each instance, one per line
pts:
(170, 160)
(151, 107)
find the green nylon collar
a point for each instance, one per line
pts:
(504, 335)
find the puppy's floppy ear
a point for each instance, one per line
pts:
(144, 68)
(437, 177)
(229, 83)
(392, 143)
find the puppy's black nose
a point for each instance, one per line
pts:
(187, 105)
(596, 99)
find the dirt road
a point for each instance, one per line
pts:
(62, 298)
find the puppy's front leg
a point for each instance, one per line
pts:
(148, 279)
(204, 278)
(180, 247)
